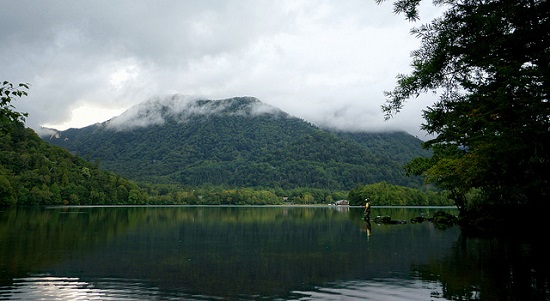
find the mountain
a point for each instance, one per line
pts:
(237, 142)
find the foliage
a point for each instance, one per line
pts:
(396, 146)
(172, 194)
(446, 169)
(8, 115)
(489, 62)
(244, 150)
(384, 194)
(32, 172)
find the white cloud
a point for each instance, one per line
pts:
(86, 115)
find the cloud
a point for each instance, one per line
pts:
(156, 110)
(324, 61)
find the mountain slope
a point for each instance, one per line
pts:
(399, 146)
(238, 142)
(33, 172)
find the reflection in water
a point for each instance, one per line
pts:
(203, 253)
(368, 227)
(512, 268)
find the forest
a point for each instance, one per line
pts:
(33, 172)
(239, 149)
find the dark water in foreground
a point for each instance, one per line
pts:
(255, 253)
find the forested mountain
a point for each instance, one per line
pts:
(33, 172)
(237, 142)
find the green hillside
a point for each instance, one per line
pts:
(399, 146)
(238, 142)
(33, 172)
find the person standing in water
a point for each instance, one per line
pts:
(367, 209)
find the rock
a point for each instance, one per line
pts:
(387, 220)
(440, 219)
(418, 219)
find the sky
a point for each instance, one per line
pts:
(327, 62)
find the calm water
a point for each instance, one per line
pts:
(252, 253)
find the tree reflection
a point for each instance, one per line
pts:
(491, 269)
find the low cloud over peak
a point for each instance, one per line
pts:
(156, 110)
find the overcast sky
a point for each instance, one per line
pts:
(327, 62)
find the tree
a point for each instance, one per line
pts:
(489, 62)
(445, 169)
(8, 115)
(7, 194)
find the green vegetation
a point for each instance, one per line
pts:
(236, 149)
(384, 194)
(8, 115)
(489, 62)
(218, 195)
(400, 147)
(33, 172)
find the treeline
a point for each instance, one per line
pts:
(218, 195)
(381, 194)
(384, 194)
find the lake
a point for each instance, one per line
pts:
(258, 253)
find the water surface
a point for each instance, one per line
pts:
(251, 253)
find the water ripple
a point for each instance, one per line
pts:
(49, 288)
(375, 289)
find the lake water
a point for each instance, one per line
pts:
(257, 253)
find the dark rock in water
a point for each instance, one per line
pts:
(442, 219)
(382, 219)
(418, 219)
(387, 220)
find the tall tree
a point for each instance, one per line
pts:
(488, 61)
